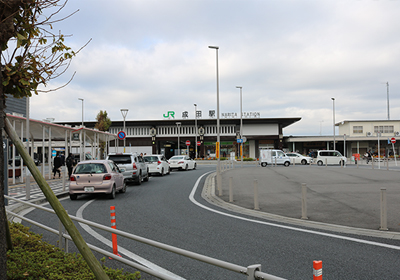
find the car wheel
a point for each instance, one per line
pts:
(303, 162)
(162, 172)
(186, 167)
(169, 171)
(139, 179)
(123, 190)
(287, 163)
(263, 164)
(146, 179)
(320, 163)
(73, 196)
(112, 194)
(194, 167)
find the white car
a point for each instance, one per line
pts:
(157, 164)
(182, 163)
(298, 158)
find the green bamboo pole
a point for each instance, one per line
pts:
(56, 205)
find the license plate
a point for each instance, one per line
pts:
(122, 169)
(89, 189)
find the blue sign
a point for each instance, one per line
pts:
(54, 153)
(121, 135)
(240, 140)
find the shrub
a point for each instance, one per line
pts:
(33, 258)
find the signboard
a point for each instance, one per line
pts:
(217, 149)
(198, 143)
(54, 153)
(121, 135)
(393, 140)
(239, 141)
(187, 143)
(75, 136)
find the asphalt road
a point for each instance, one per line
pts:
(161, 210)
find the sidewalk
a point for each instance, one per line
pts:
(338, 199)
(18, 190)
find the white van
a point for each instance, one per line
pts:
(269, 156)
(330, 157)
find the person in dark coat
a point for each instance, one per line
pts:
(57, 166)
(70, 164)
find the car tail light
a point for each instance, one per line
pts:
(72, 178)
(134, 165)
(107, 177)
(159, 162)
(181, 162)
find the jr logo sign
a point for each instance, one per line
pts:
(170, 114)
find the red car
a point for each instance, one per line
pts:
(96, 176)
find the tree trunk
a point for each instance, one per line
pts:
(3, 219)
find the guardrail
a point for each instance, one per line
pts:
(252, 272)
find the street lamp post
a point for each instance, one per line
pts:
(178, 125)
(218, 132)
(124, 112)
(82, 109)
(82, 138)
(241, 127)
(334, 140)
(195, 124)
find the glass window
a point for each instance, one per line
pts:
(357, 129)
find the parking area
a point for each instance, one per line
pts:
(341, 196)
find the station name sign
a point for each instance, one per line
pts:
(212, 115)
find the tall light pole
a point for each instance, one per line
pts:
(195, 124)
(124, 112)
(178, 125)
(81, 99)
(334, 140)
(387, 89)
(218, 134)
(241, 127)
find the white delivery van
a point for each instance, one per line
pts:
(270, 156)
(330, 157)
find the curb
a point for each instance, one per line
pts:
(208, 193)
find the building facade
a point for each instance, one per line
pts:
(181, 136)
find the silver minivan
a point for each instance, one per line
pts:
(330, 157)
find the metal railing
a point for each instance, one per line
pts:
(252, 272)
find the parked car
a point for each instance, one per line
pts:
(330, 157)
(270, 156)
(298, 158)
(17, 161)
(182, 163)
(132, 166)
(96, 176)
(157, 164)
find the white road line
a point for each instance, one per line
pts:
(191, 197)
(122, 250)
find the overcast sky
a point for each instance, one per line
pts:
(290, 57)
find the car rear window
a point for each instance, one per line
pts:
(89, 168)
(177, 157)
(122, 159)
(150, 159)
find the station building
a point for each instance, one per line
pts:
(170, 136)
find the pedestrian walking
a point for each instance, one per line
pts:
(70, 164)
(57, 166)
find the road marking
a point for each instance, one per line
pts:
(191, 197)
(121, 250)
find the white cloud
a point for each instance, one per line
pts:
(290, 57)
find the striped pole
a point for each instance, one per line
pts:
(113, 235)
(317, 270)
